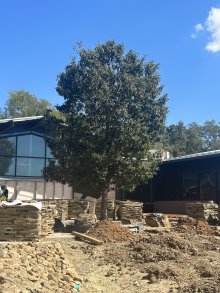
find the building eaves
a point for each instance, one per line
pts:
(193, 156)
(20, 119)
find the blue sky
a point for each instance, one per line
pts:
(37, 40)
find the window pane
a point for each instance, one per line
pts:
(190, 187)
(8, 146)
(31, 146)
(7, 166)
(29, 167)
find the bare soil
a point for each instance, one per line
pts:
(156, 262)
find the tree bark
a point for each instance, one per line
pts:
(103, 211)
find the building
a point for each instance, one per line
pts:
(23, 155)
(193, 177)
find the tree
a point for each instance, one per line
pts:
(177, 139)
(183, 139)
(194, 143)
(23, 104)
(114, 113)
(211, 135)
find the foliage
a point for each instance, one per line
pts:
(23, 104)
(184, 139)
(114, 114)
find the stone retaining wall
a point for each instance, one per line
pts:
(129, 210)
(20, 223)
(48, 214)
(205, 211)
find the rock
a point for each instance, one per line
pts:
(109, 273)
(67, 278)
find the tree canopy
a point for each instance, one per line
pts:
(115, 112)
(181, 139)
(23, 104)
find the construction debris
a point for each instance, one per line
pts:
(35, 267)
(157, 220)
(110, 231)
(87, 238)
(193, 227)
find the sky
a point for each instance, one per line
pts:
(37, 40)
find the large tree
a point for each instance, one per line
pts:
(181, 139)
(114, 112)
(23, 104)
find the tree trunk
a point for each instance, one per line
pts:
(103, 211)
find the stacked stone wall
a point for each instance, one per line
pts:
(20, 223)
(205, 211)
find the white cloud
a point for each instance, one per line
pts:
(213, 27)
(199, 27)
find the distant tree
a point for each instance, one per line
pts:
(211, 135)
(24, 104)
(194, 142)
(183, 139)
(114, 113)
(176, 136)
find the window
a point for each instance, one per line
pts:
(29, 167)
(31, 146)
(23, 155)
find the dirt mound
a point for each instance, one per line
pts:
(193, 226)
(109, 231)
(160, 248)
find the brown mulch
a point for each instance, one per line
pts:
(110, 231)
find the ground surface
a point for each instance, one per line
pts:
(158, 262)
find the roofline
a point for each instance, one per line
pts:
(21, 119)
(201, 155)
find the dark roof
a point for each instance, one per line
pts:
(22, 126)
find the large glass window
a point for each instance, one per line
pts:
(29, 167)
(31, 146)
(23, 155)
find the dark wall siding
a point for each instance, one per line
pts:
(168, 183)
